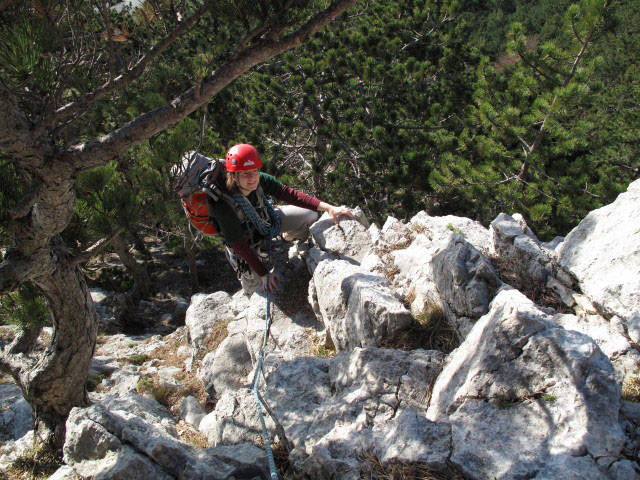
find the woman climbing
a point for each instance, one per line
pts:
(245, 238)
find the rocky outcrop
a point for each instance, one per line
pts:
(332, 409)
(512, 239)
(16, 424)
(519, 379)
(133, 437)
(357, 308)
(532, 390)
(349, 240)
(465, 280)
(602, 255)
(203, 313)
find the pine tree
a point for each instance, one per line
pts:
(526, 123)
(65, 69)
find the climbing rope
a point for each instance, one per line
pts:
(267, 229)
(256, 382)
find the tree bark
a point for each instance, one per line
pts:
(141, 280)
(54, 381)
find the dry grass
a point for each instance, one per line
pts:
(390, 272)
(285, 468)
(416, 227)
(323, 351)
(631, 389)
(430, 331)
(216, 335)
(373, 469)
(35, 464)
(169, 396)
(167, 353)
(188, 434)
(510, 272)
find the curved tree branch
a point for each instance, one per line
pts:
(95, 249)
(25, 340)
(79, 106)
(98, 152)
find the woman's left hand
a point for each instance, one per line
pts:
(336, 212)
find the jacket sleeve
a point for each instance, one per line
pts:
(297, 198)
(246, 253)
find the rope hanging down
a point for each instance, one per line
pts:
(268, 230)
(256, 394)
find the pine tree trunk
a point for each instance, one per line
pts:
(141, 280)
(57, 381)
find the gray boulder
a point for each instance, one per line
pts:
(366, 398)
(435, 227)
(16, 419)
(191, 411)
(514, 242)
(411, 438)
(357, 308)
(348, 240)
(603, 255)
(226, 368)
(16, 425)
(234, 420)
(521, 390)
(441, 269)
(132, 438)
(465, 279)
(204, 312)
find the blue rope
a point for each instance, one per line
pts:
(266, 229)
(256, 382)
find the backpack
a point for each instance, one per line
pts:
(199, 181)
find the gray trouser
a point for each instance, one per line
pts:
(295, 222)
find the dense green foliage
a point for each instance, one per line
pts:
(396, 107)
(415, 105)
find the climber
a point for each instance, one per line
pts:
(245, 239)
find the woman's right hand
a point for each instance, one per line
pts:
(270, 281)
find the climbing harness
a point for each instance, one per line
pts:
(256, 383)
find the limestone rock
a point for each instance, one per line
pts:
(410, 437)
(358, 308)
(466, 280)
(520, 380)
(612, 342)
(348, 240)
(191, 411)
(204, 312)
(234, 420)
(129, 438)
(226, 368)
(514, 242)
(603, 254)
(16, 419)
(368, 397)
(437, 227)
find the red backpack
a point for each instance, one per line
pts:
(199, 181)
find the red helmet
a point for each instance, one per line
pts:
(242, 157)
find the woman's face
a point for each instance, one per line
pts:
(248, 180)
